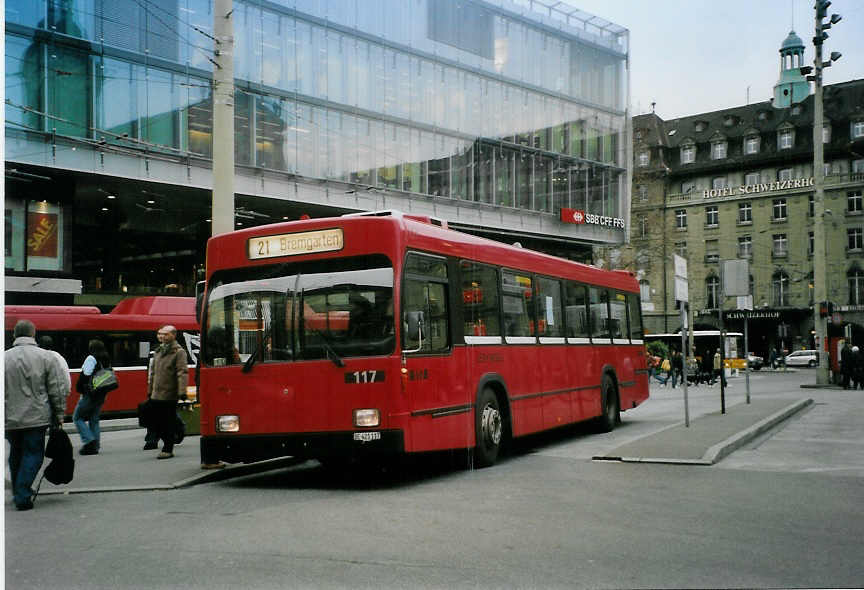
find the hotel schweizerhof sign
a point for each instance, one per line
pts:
(759, 187)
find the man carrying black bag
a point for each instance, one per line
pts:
(35, 399)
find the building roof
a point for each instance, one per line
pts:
(793, 41)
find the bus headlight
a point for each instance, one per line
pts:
(367, 418)
(227, 423)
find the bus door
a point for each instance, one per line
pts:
(438, 407)
(553, 365)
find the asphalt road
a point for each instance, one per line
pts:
(773, 514)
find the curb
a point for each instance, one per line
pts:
(716, 452)
(724, 448)
(228, 472)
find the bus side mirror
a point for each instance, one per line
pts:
(200, 287)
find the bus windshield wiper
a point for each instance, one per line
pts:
(328, 349)
(247, 366)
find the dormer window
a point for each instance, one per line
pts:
(688, 153)
(751, 144)
(858, 129)
(700, 126)
(718, 150)
(644, 157)
(786, 139)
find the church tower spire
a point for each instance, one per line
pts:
(792, 87)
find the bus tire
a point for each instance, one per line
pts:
(611, 412)
(489, 429)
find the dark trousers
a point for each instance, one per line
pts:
(164, 417)
(26, 453)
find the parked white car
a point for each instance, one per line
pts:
(803, 358)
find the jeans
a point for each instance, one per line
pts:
(26, 453)
(86, 418)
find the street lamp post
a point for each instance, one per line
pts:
(820, 262)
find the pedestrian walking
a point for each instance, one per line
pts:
(35, 400)
(718, 368)
(169, 379)
(89, 407)
(677, 368)
(846, 364)
(857, 361)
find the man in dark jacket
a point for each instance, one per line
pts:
(35, 392)
(846, 364)
(166, 386)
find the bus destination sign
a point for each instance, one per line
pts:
(309, 242)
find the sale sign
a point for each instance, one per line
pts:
(42, 234)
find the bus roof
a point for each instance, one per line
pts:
(133, 313)
(374, 233)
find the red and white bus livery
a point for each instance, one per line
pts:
(128, 332)
(303, 354)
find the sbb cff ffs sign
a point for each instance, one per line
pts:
(579, 217)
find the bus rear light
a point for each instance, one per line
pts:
(367, 418)
(227, 423)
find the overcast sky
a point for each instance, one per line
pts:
(697, 56)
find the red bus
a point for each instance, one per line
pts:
(302, 354)
(129, 334)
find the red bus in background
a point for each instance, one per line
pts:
(302, 353)
(129, 334)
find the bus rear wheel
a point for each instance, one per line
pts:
(611, 413)
(489, 429)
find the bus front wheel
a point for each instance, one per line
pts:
(489, 429)
(611, 414)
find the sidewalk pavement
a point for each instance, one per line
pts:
(709, 437)
(123, 465)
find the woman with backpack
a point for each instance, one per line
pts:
(86, 414)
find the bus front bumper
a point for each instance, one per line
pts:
(258, 447)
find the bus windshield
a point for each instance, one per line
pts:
(301, 311)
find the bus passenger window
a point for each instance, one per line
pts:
(431, 299)
(635, 318)
(618, 315)
(480, 308)
(576, 305)
(599, 302)
(549, 308)
(426, 291)
(518, 304)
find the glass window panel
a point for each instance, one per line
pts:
(117, 102)
(481, 308)
(483, 189)
(269, 129)
(504, 160)
(25, 12)
(68, 90)
(199, 118)
(24, 80)
(242, 128)
(273, 49)
(542, 184)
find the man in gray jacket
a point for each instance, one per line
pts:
(35, 399)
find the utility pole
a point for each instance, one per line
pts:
(223, 118)
(820, 261)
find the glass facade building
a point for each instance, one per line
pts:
(475, 110)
